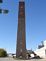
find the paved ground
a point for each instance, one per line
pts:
(11, 59)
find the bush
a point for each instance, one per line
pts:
(3, 53)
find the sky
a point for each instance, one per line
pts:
(35, 14)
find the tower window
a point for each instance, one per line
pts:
(21, 6)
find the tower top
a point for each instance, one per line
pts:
(21, 0)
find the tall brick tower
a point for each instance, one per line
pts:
(21, 38)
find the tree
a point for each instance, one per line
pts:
(3, 53)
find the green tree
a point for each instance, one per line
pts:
(3, 53)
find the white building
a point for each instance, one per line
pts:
(41, 51)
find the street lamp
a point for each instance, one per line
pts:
(1, 1)
(0, 10)
(5, 11)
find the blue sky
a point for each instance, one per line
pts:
(35, 24)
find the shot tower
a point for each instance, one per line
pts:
(21, 36)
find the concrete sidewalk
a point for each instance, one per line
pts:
(11, 59)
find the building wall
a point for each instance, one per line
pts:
(41, 52)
